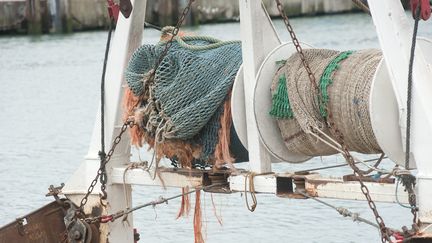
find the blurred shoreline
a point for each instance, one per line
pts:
(36, 17)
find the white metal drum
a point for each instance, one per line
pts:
(238, 110)
(268, 129)
(384, 112)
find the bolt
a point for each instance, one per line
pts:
(77, 235)
(136, 237)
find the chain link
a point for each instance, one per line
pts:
(174, 33)
(385, 232)
(296, 44)
(104, 162)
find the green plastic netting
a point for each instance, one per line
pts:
(189, 88)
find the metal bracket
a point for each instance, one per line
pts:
(55, 191)
(78, 231)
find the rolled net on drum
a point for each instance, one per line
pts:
(344, 80)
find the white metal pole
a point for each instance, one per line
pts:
(395, 34)
(127, 38)
(258, 39)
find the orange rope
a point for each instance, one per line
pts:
(222, 151)
(198, 219)
(185, 203)
(218, 217)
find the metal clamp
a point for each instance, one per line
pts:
(78, 231)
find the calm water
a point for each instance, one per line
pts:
(48, 104)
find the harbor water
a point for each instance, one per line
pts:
(48, 102)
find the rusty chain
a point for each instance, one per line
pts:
(296, 44)
(173, 34)
(104, 162)
(385, 232)
(101, 174)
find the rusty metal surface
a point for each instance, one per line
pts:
(368, 179)
(126, 8)
(44, 225)
(421, 240)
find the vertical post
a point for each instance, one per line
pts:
(57, 23)
(258, 38)
(34, 25)
(167, 10)
(63, 21)
(127, 38)
(60, 16)
(395, 34)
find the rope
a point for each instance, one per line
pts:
(215, 43)
(160, 200)
(102, 154)
(397, 197)
(336, 166)
(341, 210)
(142, 165)
(409, 89)
(338, 148)
(251, 176)
(102, 91)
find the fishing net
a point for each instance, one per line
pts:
(345, 90)
(183, 103)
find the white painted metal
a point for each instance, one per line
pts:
(394, 33)
(262, 183)
(338, 189)
(238, 112)
(127, 38)
(164, 177)
(384, 114)
(315, 184)
(258, 39)
(384, 111)
(324, 188)
(268, 128)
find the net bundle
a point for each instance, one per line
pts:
(181, 108)
(344, 82)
